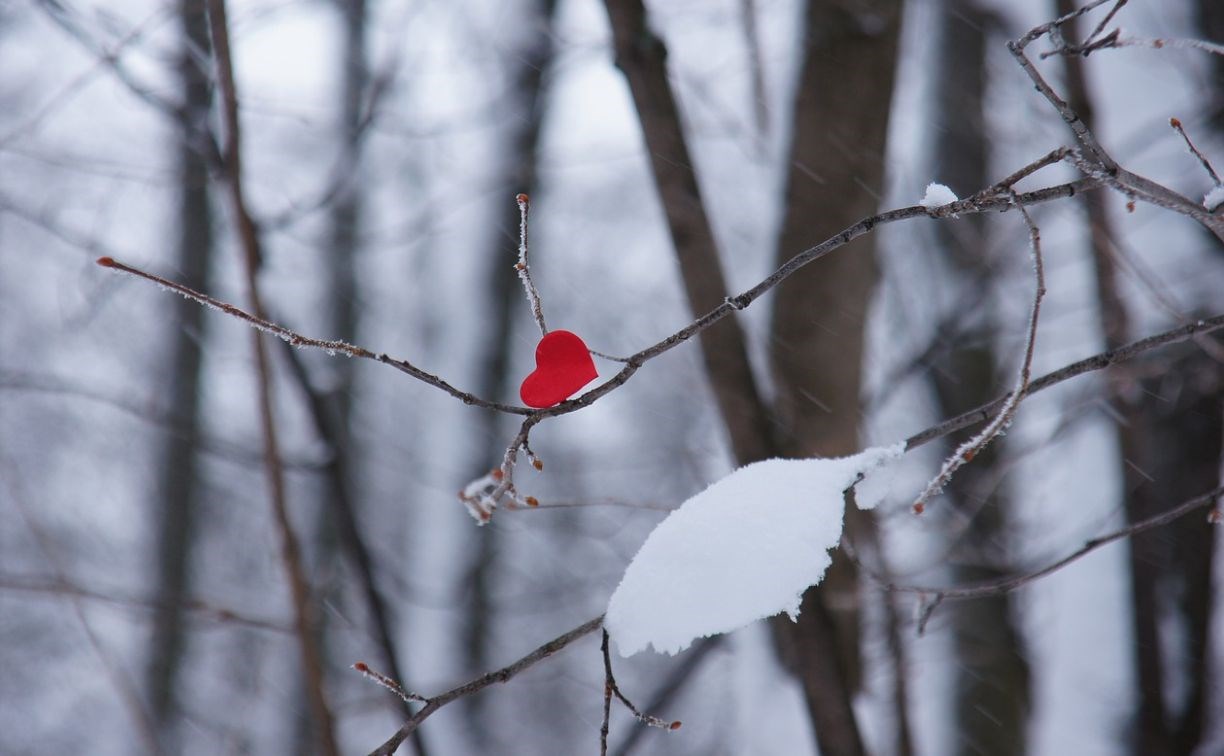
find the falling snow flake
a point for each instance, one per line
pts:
(743, 549)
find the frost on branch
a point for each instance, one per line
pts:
(745, 548)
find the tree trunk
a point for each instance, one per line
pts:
(836, 177)
(176, 504)
(642, 58)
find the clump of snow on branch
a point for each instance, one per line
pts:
(745, 548)
(937, 195)
(1214, 198)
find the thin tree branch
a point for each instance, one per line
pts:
(971, 448)
(1011, 583)
(351, 537)
(611, 689)
(523, 267)
(63, 587)
(987, 201)
(480, 683)
(248, 234)
(1087, 365)
(1096, 161)
(1203, 161)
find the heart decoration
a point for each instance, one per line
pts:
(563, 365)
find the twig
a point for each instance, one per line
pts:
(390, 684)
(972, 417)
(989, 200)
(1161, 43)
(248, 235)
(1090, 364)
(327, 425)
(1177, 126)
(612, 689)
(480, 683)
(1053, 156)
(1089, 40)
(63, 587)
(524, 270)
(1011, 583)
(298, 340)
(971, 448)
(1095, 161)
(693, 660)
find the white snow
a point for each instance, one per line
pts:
(937, 195)
(1214, 198)
(743, 549)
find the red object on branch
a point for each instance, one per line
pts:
(563, 365)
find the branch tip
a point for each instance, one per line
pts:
(106, 262)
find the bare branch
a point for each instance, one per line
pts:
(1095, 160)
(1011, 583)
(248, 237)
(1087, 365)
(1177, 126)
(480, 683)
(612, 689)
(524, 269)
(298, 340)
(971, 448)
(62, 587)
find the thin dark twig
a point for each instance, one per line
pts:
(1007, 413)
(987, 201)
(612, 689)
(480, 683)
(298, 340)
(1118, 5)
(1087, 365)
(1094, 161)
(390, 684)
(524, 268)
(60, 586)
(606, 726)
(1177, 126)
(1050, 158)
(1012, 582)
(354, 542)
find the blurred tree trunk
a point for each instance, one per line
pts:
(991, 672)
(1211, 27)
(339, 524)
(642, 58)
(838, 148)
(175, 514)
(1169, 440)
(524, 107)
(836, 177)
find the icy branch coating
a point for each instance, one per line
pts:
(745, 548)
(524, 270)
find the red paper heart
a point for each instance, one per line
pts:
(563, 365)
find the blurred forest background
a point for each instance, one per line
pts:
(674, 154)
